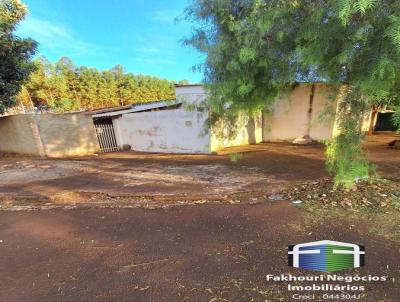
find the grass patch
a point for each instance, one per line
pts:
(235, 157)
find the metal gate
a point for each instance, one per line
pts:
(105, 135)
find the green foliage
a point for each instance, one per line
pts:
(23, 98)
(345, 155)
(63, 87)
(15, 53)
(235, 157)
(183, 82)
(257, 50)
(65, 105)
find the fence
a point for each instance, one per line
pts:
(105, 134)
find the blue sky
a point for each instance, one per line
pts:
(139, 34)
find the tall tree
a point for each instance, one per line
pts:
(47, 85)
(258, 49)
(15, 53)
(66, 68)
(63, 87)
(121, 84)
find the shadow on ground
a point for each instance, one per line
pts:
(264, 168)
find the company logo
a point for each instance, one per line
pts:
(326, 256)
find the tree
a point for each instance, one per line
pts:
(66, 68)
(183, 82)
(121, 84)
(63, 87)
(24, 99)
(306, 138)
(47, 86)
(15, 53)
(257, 50)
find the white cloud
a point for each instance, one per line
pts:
(54, 38)
(155, 49)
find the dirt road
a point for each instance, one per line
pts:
(88, 246)
(190, 253)
(264, 168)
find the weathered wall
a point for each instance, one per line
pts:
(171, 130)
(366, 119)
(247, 130)
(16, 135)
(67, 134)
(53, 135)
(288, 119)
(117, 131)
(190, 94)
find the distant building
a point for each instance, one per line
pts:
(179, 126)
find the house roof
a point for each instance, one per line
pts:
(110, 109)
(137, 108)
(188, 85)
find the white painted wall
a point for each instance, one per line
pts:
(117, 131)
(289, 116)
(182, 131)
(190, 94)
(166, 131)
(248, 130)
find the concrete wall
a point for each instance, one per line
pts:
(366, 119)
(190, 94)
(288, 119)
(247, 130)
(117, 130)
(167, 131)
(67, 134)
(53, 135)
(16, 135)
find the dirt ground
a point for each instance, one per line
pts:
(150, 227)
(190, 253)
(140, 178)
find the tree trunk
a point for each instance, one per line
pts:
(310, 110)
(306, 138)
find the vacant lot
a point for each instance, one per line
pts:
(137, 178)
(77, 250)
